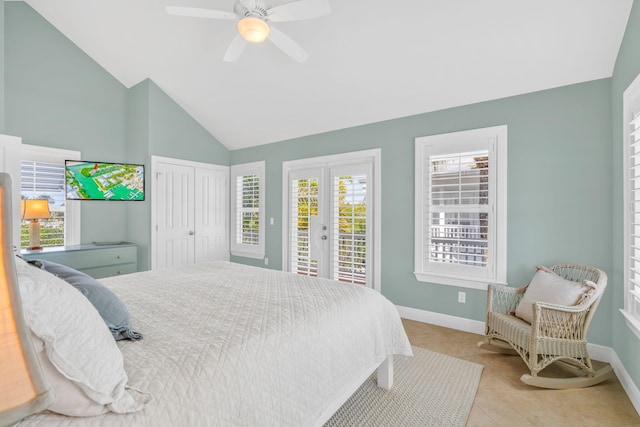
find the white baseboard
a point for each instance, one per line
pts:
(444, 320)
(625, 379)
(596, 351)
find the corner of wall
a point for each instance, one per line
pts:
(137, 150)
(173, 132)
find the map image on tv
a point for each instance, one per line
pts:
(104, 181)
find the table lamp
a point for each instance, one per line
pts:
(34, 210)
(23, 390)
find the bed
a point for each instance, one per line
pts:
(230, 344)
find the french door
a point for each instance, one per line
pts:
(329, 218)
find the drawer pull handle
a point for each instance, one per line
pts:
(118, 257)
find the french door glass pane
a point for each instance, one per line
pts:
(304, 206)
(350, 228)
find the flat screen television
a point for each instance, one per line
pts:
(103, 181)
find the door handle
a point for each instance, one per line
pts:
(191, 233)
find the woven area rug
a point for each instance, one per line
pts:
(430, 389)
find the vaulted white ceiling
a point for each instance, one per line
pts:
(370, 60)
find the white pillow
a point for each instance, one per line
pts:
(77, 344)
(547, 286)
(70, 399)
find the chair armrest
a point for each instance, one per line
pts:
(503, 299)
(559, 321)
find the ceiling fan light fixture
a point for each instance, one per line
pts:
(253, 30)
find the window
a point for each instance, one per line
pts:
(631, 135)
(247, 191)
(460, 207)
(42, 177)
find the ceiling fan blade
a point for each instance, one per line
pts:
(287, 45)
(299, 10)
(249, 4)
(235, 49)
(200, 13)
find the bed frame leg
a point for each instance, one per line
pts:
(385, 373)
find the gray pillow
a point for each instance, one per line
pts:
(111, 308)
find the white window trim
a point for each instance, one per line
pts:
(373, 155)
(497, 135)
(72, 212)
(238, 249)
(630, 101)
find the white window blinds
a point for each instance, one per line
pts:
(44, 180)
(632, 305)
(459, 208)
(350, 228)
(248, 208)
(304, 210)
(247, 195)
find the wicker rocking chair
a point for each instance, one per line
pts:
(556, 334)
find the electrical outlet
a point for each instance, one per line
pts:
(266, 261)
(462, 297)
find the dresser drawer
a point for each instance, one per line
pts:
(112, 270)
(95, 260)
(91, 258)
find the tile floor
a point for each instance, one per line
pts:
(502, 400)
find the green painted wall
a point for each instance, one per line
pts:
(559, 185)
(174, 133)
(625, 343)
(158, 126)
(56, 96)
(59, 97)
(139, 213)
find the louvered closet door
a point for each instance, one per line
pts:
(329, 222)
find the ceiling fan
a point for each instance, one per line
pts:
(254, 18)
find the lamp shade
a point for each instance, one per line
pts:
(253, 30)
(23, 390)
(34, 209)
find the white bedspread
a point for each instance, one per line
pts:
(228, 344)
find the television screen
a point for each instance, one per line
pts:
(103, 181)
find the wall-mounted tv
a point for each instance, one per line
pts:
(103, 181)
